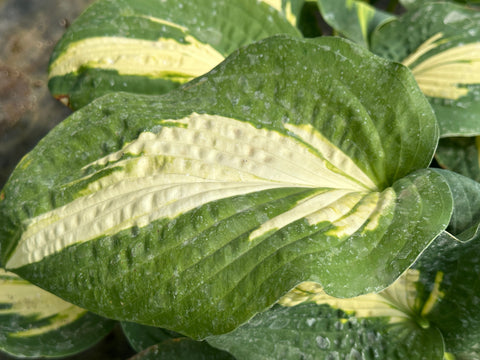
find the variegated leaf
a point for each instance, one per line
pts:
(291, 9)
(309, 323)
(195, 210)
(429, 313)
(449, 281)
(151, 47)
(354, 19)
(443, 52)
(36, 323)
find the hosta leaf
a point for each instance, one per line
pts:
(308, 21)
(157, 343)
(443, 52)
(153, 46)
(195, 210)
(429, 312)
(35, 323)
(412, 4)
(354, 19)
(460, 154)
(465, 220)
(183, 349)
(291, 9)
(450, 272)
(310, 324)
(142, 337)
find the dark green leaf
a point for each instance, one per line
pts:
(142, 337)
(465, 221)
(450, 273)
(460, 154)
(443, 52)
(183, 349)
(195, 210)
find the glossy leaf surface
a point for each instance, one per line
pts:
(310, 324)
(429, 313)
(195, 210)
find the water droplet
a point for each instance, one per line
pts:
(322, 342)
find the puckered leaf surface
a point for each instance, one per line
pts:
(429, 313)
(309, 324)
(197, 209)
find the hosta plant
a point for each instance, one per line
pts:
(247, 196)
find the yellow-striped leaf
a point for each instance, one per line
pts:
(307, 321)
(443, 52)
(429, 313)
(291, 9)
(354, 19)
(36, 323)
(151, 47)
(195, 210)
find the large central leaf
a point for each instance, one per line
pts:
(197, 209)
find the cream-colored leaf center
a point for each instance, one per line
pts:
(162, 58)
(444, 75)
(397, 302)
(204, 158)
(28, 300)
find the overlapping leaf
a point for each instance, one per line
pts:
(412, 4)
(151, 47)
(183, 349)
(310, 324)
(35, 323)
(142, 337)
(354, 19)
(450, 271)
(460, 154)
(291, 9)
(443, 52)
(465, 220)
(428, 313)
(195, 210)
(157, 343)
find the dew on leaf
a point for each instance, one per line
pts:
(322, 342)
